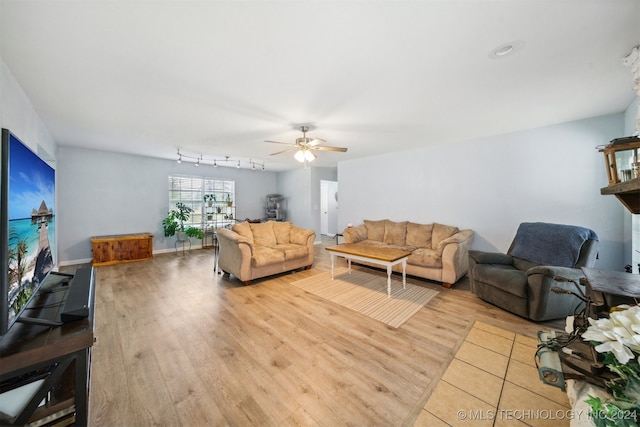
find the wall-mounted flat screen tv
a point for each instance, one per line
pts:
(27, 226)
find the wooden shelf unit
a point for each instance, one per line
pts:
(628, 192)
(115, 249)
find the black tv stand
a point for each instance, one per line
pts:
(51, 355)
(72, 292)
(37, 321)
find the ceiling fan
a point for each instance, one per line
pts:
(304, 146)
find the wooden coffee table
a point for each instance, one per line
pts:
(374, 254)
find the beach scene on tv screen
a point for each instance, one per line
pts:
(31, 223)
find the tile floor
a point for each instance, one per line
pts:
(493, 381)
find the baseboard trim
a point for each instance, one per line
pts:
(155, 251)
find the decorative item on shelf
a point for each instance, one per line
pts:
(200, 159)
(174, 223)
(219, 209)
(621, 159)
(617, 339)
(229, 201)
(210, 198)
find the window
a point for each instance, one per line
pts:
(190, 190)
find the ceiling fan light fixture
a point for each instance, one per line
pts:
(299, 156)
(308, 155)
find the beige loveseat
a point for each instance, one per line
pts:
(439, 252)
(253, 250)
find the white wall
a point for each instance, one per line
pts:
(103, 193)
(490, 185)
(18, 115)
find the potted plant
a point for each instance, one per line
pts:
(229, 201)
(174, 223)
(210, 198)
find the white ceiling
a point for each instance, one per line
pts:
(217, 78)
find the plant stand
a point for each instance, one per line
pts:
(182, 239)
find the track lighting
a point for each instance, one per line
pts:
(198, 159)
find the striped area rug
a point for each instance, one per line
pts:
(366, 293)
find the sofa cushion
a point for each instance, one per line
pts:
(292, 251)
(282, 230)
(373, 243)
(243, 229)
(375, 229)
(263, 234)
(426, 257)
(441, 232)
(263, 255)
(395, 232)
(419, 235)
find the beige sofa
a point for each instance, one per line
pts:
(439, 252)
(253, 250)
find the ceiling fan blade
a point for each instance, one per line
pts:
(285, 151)
(278, 142)
(317, 141)
(327, 148)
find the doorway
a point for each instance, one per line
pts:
(328, 208)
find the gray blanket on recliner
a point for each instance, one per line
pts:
(550, 244)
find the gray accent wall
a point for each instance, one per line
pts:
(104, 193)
(301, 188)
(491, 185)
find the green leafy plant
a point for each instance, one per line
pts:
(209, 197)
(174, 222)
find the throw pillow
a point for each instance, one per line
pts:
(263, 234)
(419, 235)
(441, 232)
(375, 229)
(281, 230)
(395, 232)
(243, 229)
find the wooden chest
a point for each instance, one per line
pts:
(114, 249)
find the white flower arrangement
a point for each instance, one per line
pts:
(619, 334)
(618, 339)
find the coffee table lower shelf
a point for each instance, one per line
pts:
(383, 256)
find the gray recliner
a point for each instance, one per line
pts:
(520, 281)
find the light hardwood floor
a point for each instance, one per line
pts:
(178, 345)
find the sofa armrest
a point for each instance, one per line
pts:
(232, 236)
(460, 237)
(553, 271)
(455, 256)
(549, 299)
(481, 257)
(355, 234)
(235, 254)
(301, 236)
